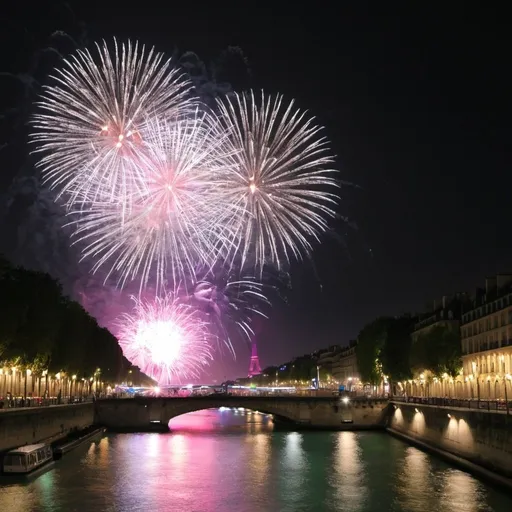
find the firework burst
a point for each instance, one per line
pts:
(166, 339)
(157, 188)
(174, 218)
(278, 174)
(90, 124)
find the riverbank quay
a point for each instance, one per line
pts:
(479, 441)
(21, 426)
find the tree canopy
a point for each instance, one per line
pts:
(395, 353)
(41, 329)
(370, 343)
(385, 347)
(438, 350)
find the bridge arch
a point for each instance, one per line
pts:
(142, 413)
(173, 408)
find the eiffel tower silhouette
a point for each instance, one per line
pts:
(254, 365)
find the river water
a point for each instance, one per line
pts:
(233, 461)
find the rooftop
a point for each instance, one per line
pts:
(493, 291)
(28, 448)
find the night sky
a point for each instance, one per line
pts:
(416, 103)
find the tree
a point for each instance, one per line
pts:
(76, 330)
(395, 353)
(40, 329)
(438, 350)
(9, 315)
(370, 343)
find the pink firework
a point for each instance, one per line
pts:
(166, 339)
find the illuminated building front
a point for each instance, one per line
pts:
(344, 369)
(486, 334)
(443, 313)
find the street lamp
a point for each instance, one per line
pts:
(28, 373)
(318, 376)
(475, 367)
(507, 377)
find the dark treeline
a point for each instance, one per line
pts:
(386, 347)
(46, 332)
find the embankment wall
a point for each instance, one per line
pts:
(481, 437)
(26, 426)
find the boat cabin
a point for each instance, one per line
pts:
(27, 458)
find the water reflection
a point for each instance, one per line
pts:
(97, 453)
(414, 486)
(258, 459)
(293, 470)
(221, 461)
(460, 492)
(347, 479)
(22, 496)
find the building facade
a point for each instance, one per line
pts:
(445, 312)
(442, 313)
(486, 336)
(328, 357)
(344, 369)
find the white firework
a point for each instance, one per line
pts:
(279, 174)
(89, 127)
(173, 219)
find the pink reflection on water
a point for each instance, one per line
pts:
(215, 420)
(200, 421)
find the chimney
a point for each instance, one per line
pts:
(490, 285)
(503, 280)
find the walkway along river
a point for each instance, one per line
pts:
(232, 461)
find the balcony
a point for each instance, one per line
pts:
(494, 345)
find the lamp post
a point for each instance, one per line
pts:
(475, 368)
(318, 376)
(45, 375)
(507, 377)
(13, 381)
(27, 375)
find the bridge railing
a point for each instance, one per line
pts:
(467, 403)
(29, 403)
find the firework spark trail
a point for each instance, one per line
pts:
(229, 301)
(166, 339)
(89, 128)
(174, 219)
(279, 174)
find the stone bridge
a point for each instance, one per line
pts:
(145, 413)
